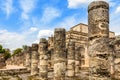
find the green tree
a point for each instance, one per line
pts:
(24, 47)
(7, 54)
(1, 49)
(17, 51)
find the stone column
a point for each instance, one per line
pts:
(99, 50)
(71, 61)
(34, 59)
(116, 45)
(59, 54)
(43, 59)
(77, 61)
(28, 58)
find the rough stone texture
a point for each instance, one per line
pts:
(34, 59)
(101, 67)
(2, 61)
(28, 58)
(51, 42)
(18, 59)
(116, 45)
(5, 72)
(71, 61)
(77, 60)
(98, 19)
(100, 59)
(43, 59)
(59, 54)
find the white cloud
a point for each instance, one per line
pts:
(27, 6)
(50, 14)
(79, 3)
(71, 21)
(117, 9)
(33, 29)
(7, 7)
(75, 3)
(45, 33)
(15, 40)
(68, 22)
(10, 39)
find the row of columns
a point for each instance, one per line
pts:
(101, 62)
(66, 62)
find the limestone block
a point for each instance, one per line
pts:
(45, 57)
(43, 62)
(70, 73)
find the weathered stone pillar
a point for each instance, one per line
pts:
(59, 54)
(43, 59)
(50, 59)
(34, 59)
(98, 19)
(99, 50)
(71, 61)
(116, 45)
(28, 58)
(77, 61)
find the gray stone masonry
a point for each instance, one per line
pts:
(59, 54)
(43, 59)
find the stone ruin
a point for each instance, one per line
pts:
(2, 61)
(91, 52)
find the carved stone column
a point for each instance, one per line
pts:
(59, 54)
(71, 61)
(100, 51)
(34, 59)
(77, 61)
(28, 58)
(43, 59)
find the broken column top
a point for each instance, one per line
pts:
(28, 48)
(34, 47)
(98, 4)
(59, 29)
(42, 40)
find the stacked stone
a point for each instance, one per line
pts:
(77, 61)
(2, 61)
(71, 61)
(99, 50)
(59, 54)
(34, 59)
(43, 59)
(116, 44)
(50, 60)
(28, 58)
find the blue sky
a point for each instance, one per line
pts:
(23, 22)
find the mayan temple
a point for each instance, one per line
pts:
(85, 52)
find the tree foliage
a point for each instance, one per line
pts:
(24, 47)
(17, 51)
(2, 50)
(5, 52)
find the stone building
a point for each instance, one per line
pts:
(79, 34)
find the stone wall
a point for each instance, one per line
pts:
(18, 59)
(2, 61)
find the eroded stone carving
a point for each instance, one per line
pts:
(59, 54)
(34, 59)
